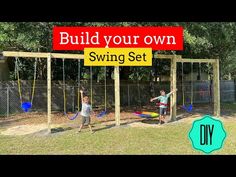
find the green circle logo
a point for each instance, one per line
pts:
(207, 134)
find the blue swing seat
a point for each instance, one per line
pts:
(188, 108)
(73, 117)
(25, 106)
(101, 114)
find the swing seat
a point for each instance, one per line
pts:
(146, 114)
(25, 106)
(188, 108)
(73, 117)
(102, 114)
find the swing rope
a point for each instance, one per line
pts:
(18, 79)
(183, 95)
(34, 80)
(64, 85)
(78, 101)
(191, 83)
(105, 80)
(91, 86)
(64, 91)
(103, 113)
(190, 107)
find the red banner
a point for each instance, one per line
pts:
(157, 38)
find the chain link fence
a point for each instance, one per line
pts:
(131, 95)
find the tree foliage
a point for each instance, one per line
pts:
(201, 40)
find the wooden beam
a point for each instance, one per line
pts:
(49, 91)
(173, 87)
(117, 94)
(188, 60)
(160, 56)
(81, 56)
(216, 87)
(42, 55)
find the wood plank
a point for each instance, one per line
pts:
(216, 87)
(42, 55)
(173, 96)
(49, 91)
(188, 60)
(161, 56)
(117, 95)
(81, 56)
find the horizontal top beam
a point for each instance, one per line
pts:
(160, 56)
(188, 60)
(81, 56)
(67, 56)
(42, 55)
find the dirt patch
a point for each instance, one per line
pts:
(144, 125)
(33, 122)
(26, 129)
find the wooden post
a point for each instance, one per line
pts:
(8, 101)
(173, 87)
(49, 91)
(117, 94)
(216, 87)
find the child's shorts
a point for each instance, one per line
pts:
(85, 120)
(163, 111)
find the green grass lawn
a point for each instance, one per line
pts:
(168, 139)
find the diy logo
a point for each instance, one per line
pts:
(207, 134)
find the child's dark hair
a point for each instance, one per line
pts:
(162, 90)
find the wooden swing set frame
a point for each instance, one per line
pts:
(174, 59)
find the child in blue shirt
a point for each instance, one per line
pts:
(163, 98)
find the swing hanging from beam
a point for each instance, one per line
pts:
(104, 112)
(64, 91)
(187, 108)
(25, 106)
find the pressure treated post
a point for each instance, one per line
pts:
(173, 87)
(8, 101)
(216, 87)
(49, 91)
(117, 94)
